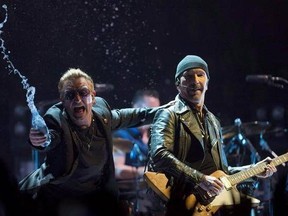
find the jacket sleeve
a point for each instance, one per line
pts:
(134, 117)
(164, 138)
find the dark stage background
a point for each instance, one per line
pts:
(137, 44)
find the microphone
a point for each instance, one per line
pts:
(104, 87)
(269, 79)
(260, 78)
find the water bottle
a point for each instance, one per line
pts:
(37, 120)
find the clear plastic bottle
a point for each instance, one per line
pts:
(37, 120)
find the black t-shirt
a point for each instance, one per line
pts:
(195, 157)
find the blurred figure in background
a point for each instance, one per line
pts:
(130, 165)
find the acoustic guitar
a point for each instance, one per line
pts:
(202, 203)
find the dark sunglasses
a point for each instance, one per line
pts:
(71, 94)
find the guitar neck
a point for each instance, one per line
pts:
(255, 170)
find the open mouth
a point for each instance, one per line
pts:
(79, 110)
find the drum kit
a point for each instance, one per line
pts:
(235, 138)
(132, 190)
(240, 151)
(238, 148)
(123, 145)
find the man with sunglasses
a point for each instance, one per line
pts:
(78, 173)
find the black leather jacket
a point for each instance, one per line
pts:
(171, 134)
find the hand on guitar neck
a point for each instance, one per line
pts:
(269, 170)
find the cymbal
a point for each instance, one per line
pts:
(247, 129)
(276, 130)
(122, 144)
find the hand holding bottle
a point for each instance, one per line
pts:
(39, 133)
(37, 138)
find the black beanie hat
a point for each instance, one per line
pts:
(191, 61)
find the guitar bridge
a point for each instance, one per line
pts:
(203, 196)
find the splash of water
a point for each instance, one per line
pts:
(37, 120)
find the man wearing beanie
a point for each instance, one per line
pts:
(186, 146)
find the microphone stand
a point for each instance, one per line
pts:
(274, 80)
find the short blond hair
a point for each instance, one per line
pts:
(72, 74)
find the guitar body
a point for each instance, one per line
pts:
(159, 183)
(225, 198)
(228, 197)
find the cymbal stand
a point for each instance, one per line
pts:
(254, 157)
(136, 206)
(138, 155)
(263, 143)
(243, 141)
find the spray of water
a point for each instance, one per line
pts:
(37, 120)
